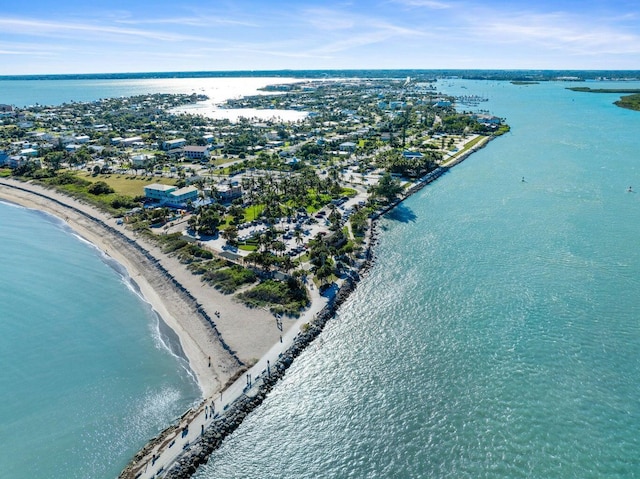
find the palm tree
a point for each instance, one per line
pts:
(287, 264)
(278, 246)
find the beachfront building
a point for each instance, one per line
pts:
(158, 192)
(442, 103)
(488, 120)
(183, 197)
(6, 111)
(15, 161)
(168, 195)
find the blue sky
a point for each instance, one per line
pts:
(72, 36)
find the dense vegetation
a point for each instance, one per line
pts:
(224, 276)
(585, 89)
(631, 102)
(281, 297)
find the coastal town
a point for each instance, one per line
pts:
(274, 215)
(266, 199)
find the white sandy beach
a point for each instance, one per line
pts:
(248, 333)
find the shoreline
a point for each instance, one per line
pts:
(214, 418)
(161, 287)
(179, 298)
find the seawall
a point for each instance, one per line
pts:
(222, 426)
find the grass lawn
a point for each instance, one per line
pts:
(127, 185)
(471, 143)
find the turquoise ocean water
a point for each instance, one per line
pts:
(497, 334)
(87, 377)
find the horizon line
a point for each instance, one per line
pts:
(214, 73)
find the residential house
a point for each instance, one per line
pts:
(348, 146)
(132, 141)
(72, 147)
(31, 152)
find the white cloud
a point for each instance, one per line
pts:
(348, 30)
(43, 28)
(191, 21)
(558, 31)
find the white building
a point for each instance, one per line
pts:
(173, 144)
(168, 195)
(140, 161)
(196, 152)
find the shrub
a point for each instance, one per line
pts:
(286, 297)
(100, 188)
(228, 280)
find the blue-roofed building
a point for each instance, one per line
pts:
(412, 155)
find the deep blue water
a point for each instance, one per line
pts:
(497, 334)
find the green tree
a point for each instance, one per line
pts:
(388, 187)
(231, 235)
(100, 188)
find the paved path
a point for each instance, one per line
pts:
(192, 425)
